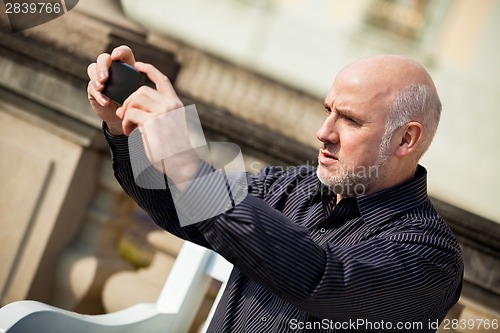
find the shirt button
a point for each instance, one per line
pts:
(263, 319)
(322, 230)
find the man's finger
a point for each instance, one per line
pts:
(102, 67)
(92, 73)
(133, 118)
(95, 95)
(163, 85)
(124, 54)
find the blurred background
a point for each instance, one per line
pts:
(258, 72)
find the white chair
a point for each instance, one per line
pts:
(174, 310)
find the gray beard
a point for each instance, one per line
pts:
(350, 182)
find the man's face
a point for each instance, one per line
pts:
(351, 160)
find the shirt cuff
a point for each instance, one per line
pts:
(118, 145)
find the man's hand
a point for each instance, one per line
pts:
(98, 73)
(141, 106)
(146, 103)
(160, 115)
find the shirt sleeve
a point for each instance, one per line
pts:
(158, 203)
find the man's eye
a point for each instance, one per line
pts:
(343, 116)
(349, 119)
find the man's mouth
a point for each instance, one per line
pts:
(327, 154)
(325, 157)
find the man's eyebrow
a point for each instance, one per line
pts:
(348, 113)
(345, 112)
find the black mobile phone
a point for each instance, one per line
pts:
(123, 80)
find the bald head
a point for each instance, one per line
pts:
(405, 90)
(390, 68)
(387, 73)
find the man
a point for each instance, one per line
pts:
(364, 250)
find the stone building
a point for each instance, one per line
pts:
(257, 72)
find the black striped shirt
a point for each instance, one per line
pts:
(380, 262)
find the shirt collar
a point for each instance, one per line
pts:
(383, 205)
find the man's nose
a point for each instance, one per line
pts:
(328, 131)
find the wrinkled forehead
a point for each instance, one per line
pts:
(367, 95)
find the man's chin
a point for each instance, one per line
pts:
(327, 177)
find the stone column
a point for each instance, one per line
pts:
(93, 256)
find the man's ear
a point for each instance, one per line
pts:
(410, 139)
